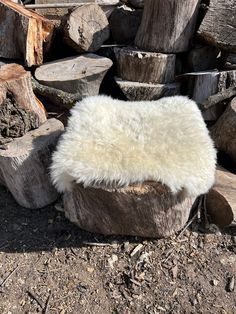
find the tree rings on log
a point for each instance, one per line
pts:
(143, 91)
(82, 74)
(148, 210)
(146, 67)
(24, 165)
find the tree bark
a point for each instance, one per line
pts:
(148, 210)
(20, 110)
(221, 200)
(24, 165)
(146, 67)
(82, 74)
(167, 26)
(23, 33)
(86, 28)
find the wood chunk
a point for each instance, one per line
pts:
(167, 26)
(124, 23)
(148, 210)
(82, 74)
(146, 67)
(224, 131)
(23, 34)
(24, 165)
(221, 200)
(86, 28)
(218, 27)
(20, 110)
(144, 91)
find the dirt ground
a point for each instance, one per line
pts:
(48, 265)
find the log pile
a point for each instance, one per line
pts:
(129, 49)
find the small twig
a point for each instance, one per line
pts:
(35, 298)
(45, 310)
(187, 225)
(8, 277)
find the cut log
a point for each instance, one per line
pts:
(221, 200)
(124, 23)
(20, 110)
(224, 131)
(143, 91)
(148, 210)
(86, 28)
(23, 34)
(167, 26)
(219, 25)
(82, 74)
(146, 67)
(24, 165)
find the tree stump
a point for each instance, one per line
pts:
(143, 91)
(23, 33)
(221, 200)
(20, 110)
(219, 25)
(147, 210)
(86, 28)
(24, 165)
(167, 26)
(146, 67)
(82, 74)
(224, 131)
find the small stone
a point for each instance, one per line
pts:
(214, 282)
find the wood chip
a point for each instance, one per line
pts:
(136, 250)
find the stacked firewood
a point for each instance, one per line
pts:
(54, 54)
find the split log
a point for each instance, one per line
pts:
(124, 23)
(167, 26)
(219, 25)
(223, 131)
(24, 165)
(23, 34)
(221, 200)
(146, 67)
(148, 210)
(82, 74)
(143, 91)
(86, 28)
(20, 110)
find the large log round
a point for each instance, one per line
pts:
(148, 210)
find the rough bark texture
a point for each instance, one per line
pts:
(24, 165)
(20, 110)
(144, 91)
(148, 210)
(23, 34)
(146, 67)
(224, 131)
(124, 23)
(167, 26)
(86, 28)
(82, 74)
(221, 200)
(219, 25)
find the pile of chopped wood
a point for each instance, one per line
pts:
(55, 53)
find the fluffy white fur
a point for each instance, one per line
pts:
(111, 141)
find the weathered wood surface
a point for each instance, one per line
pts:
(224, 131)
(221, 96)
(23, 34)
(146, 67)
(85, 28)
(148, 210)
(221, 200)
(219, 25)
(144, 91)
(24, 165)
(82, 74)
(167, 26)
(20, 110)
(124, 23)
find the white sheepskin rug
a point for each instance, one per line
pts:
(117, 143)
